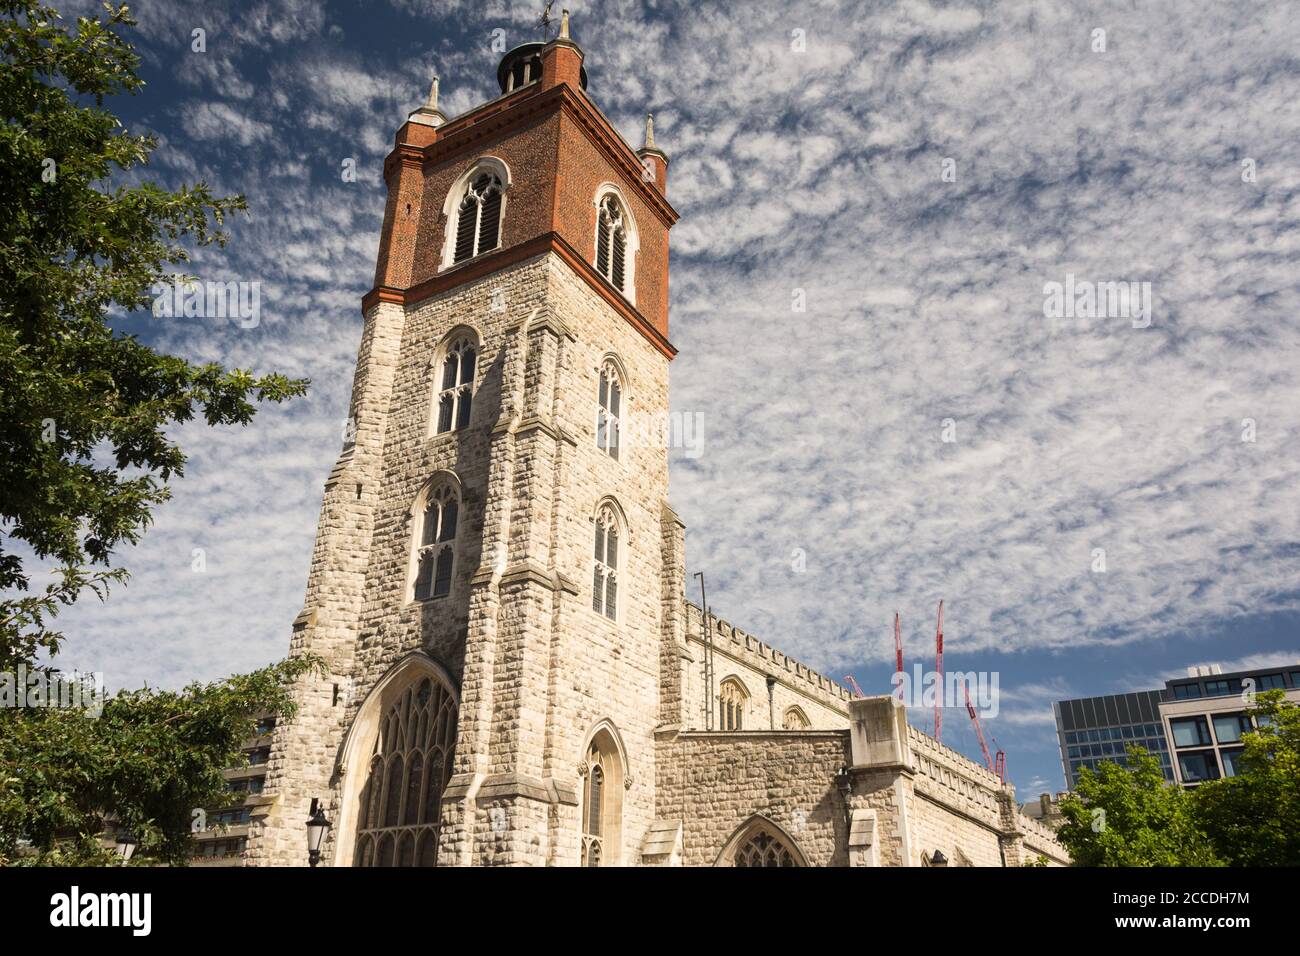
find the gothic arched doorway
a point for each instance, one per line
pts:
(403, 742)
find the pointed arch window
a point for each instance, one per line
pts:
(436, 545)
(604, 575)
(609, 409)
(764, 848)
(603, 782)
(795, 719)
(456, 385)
(593, 803)
(611, 242)
(478, 218)
(732, 698)
(400, 808)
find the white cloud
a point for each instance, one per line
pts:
(821, 171)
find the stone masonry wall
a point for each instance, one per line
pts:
(531, 479)
(961, 808)
(304, 750)
(715, 783)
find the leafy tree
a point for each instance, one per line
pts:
(147, 762)
(1254, 817)
(1132, 816)
(83, 408)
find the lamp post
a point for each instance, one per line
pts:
(844, 784)
(126, 843)
(317, 824)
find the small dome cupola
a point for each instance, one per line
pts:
(523, 65)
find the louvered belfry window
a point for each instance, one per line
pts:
(604, 575)
(611, 243)
(478, 220)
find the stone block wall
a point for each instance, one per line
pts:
(946, 802)
(716, 783)
(535, 665)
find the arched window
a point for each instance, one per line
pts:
(593, 817)
(604, 575)
(609, 408)
(760, 842)
(732, 698)
(602, 800)
(456, 385)
(795, 719)
(478, 217)
(611, 242)
(400, 807)
(435, 543)
(764, 849)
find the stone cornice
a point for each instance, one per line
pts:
(495, 261)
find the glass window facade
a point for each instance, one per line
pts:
(1198, 766)
(1190, 732)
(1096, 730)
(1230, 758)
(1228, 728)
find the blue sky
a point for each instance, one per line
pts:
(807, 146)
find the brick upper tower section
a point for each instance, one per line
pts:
(560, 155)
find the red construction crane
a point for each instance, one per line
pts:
(979, 731)
(938, 667)
(854, 684)
(898, 653)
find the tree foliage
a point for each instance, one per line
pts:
(146, 763)
(1132, 816)
(84, 454)
(1254, 817)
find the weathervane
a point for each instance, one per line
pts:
(546, 23)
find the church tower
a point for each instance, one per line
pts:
(496, 585)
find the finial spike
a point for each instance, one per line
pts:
(564, 24)
(650, 130)
(433, 94)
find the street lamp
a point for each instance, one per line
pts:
(126, 842)
(317, 824)
(844, 784)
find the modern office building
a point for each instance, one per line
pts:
(1194, 724)
(1091, 730)
(1204, 717)
(224, 839)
